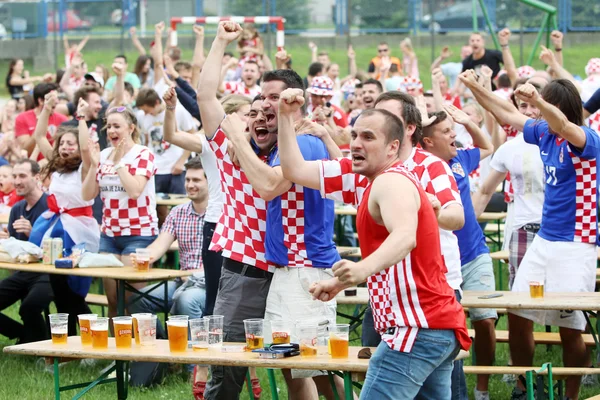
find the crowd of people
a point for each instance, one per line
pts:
(264, 157)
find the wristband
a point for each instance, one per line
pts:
(557, 50)
(503, 45)
(79, 117)
(171, 108)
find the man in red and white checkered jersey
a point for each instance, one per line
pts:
(413, 305)
(240, 233)
(246, 86)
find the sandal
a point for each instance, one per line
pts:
(197, 387)
(256, 389)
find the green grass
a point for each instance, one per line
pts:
(575, 58)
(23, 377)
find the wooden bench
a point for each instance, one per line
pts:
(500, 311)
(97, 300)
(512, 370)
(550, 338)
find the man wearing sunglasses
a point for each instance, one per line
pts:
(383, 57)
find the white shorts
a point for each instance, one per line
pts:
(563, 267)
(289, 300)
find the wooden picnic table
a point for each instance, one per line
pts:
(502, 255)
(345, 210)
(582, 301)
(214, 356)
(4, 218)
(173, 200)
(491, 216)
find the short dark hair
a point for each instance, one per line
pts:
(179, 65)
(315, 68)
(41, 90)
(228, 53)
(383, 44)
(410, 113)
(147, 97)
(394, 129)
(129, 88)
(289, 77)
(440, 116)
(323, 53)
(563, 94)
(84, 92)
(123, 56)
(194, 163)
(504, 81)
(35, 167)
(394, 68)
(375, 82)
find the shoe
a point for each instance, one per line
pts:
(589, 380)
(509, 379)
(88, 362)
(197, 387)
(518, 394)
(482, 395)
(256, 389)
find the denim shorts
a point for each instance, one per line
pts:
(479, 275)
(124, 245)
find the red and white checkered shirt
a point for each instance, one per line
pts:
(240, 233)
(594, 121)
(412, 294)
(509, 191)
(436, 178)
(239, 87)
(186, 226)
(122, 215)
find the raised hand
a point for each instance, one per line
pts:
(290, 101)
(437, 75)
(118, 153)
(312, 46)
(82, 107)
(133, 31)
(547, 56)
(282, 57)
(170, 98)
(446, 53)
(527, 93)
(426, 120)
(234, 128)
(351, 53)
(457, 115)
(118, 68)
(468, 78)
(486, 72)
(51, 100)
(198, 31)
(504, 36)
(557, 39)
(159, 28)
(229, 31)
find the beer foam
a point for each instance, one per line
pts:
(179, 323)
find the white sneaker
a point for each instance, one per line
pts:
(509, 379)
(482, 395)
(88, 362)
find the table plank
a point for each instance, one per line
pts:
(522, 300)
(161, 353)
(4, 218)
(491, 216)
(174, 200)
(345, 210)
(503, 255)
(361, 298)
(123, 273)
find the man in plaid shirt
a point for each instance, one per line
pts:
(183, 224)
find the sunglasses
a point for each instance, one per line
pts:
(118, 109)
(382, 50)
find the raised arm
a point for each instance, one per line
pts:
(90, 188)
(171, 134)
(353, 69)
(84, 137)
(41, 128)
(64, 84)
(444, 54)
(323, 133)
(438, 100)
(548, 58)
(136, 41)
(267, 181)
(483, 196)
(313, 52)
(293, 165)
(504, 111)
(199, 58)
(119, 88)
(557, 41)
(211, 109)
(557, 121)
(480, 139)
(281, 59)
(507, 57)
(157, 52)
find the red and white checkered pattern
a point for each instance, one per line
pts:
(449, 99)
(594, 122)
(240, 233)
(292, 218)
(503, 93)
(525, 71)
(410, 83)
(321, 86)
(122, 215)
(240, 88)
(349, 86)
(509, 192)
(257, 20)
(593, 66)
(339, 183)
(585, 215)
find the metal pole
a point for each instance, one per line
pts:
(122, 41)
(474, 9)
(432, 30)
(143, 18)
(348, 26)
(538, 38)
(55, 41)
(521, 34)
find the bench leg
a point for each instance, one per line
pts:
(120, 297)
(330, 375)
(56, 380)
(272, 384)
(348, 393)
(249, 384)
(122, 380)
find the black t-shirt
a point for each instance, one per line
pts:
(20, 209)
(491, 58)
(16, 92)
(96, 126)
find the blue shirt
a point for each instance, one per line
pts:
(471, 240)
(300, 222)
(570, 194)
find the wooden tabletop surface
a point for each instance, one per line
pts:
(503, 254)
(161, 353)
(173, 200)
(123, 273)
(491, 216)
(345, 210)
(522, 300)
(4, 218)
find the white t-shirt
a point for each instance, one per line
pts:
(215, 193)
(522, 160)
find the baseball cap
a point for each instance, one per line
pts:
(95, 77)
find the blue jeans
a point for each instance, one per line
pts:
(369, 336)
(422, 374)
(459, 381)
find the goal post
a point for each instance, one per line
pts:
(258, 20)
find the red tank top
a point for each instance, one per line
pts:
(414, 293)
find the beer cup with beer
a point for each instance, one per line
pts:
(338, 340)
(142, 260)
(122, 327)
(59, 328)
(254, 333)
(99, 333)
(178, 334)
(85, 328)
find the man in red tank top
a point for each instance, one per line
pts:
(421, 324)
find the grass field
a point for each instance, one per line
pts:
(575, 59)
